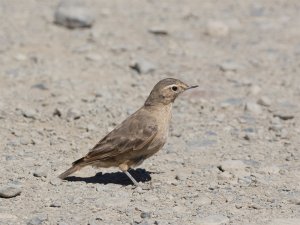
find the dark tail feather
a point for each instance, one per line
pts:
(75, 166)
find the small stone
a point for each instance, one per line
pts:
(255, 89)
(284, 116)
(57, 112)
(254, 206)
(55, 205)
(245, 181)
(139, 190)
(56, 181)
(5, 216)
(144, 222)
(213, 220)
(145, 215)
(229, 66)
(91, 127)
(158, 31)
(73, 114)
(29, 113)
(264, 101)
(231, 165)
(225, 176)
(295, 198)
(38, 219)
(40, 173)
(231, 102)
(181, 176)
(238, 206)
(202, 200)
(143, 66)
(73, 14)
(93, 57)
(253, 108)
(62, 223)
(271, 169)
(25, 141)
(276, 124)
(40, 86)
(284, 134)
(217, 29)
(20, 57)
(10, 191)
(285, 221)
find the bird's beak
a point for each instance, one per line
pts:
(190, 87)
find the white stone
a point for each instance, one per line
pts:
(217, 29)
(213, 220)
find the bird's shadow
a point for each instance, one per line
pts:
(140, 175)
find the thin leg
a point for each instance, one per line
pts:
(131, 178)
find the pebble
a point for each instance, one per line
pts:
(202, 200)
(264, 101)
(20, 57)
(230, 165)
(73, 14)
(74, 114)
(229, 66)
(10, 191)
(255, 90)
(231, 102)
(25, 141)
(253, 108)
(225, 176)
(62, 223)
(295, 198)
(5, 216)
(56, 181)
(284, 134)
(213, 220)
(139, 190)
(217, 29)
(143, 66)
(55, 205)
(181, 176)
(145, 215)
(271, 170)
(29, 113)
(284, 116)
(158, 31)
(285, 221)
(276, 124)
(40, 86)
(40, 173)
(38, 219)
(93, 57)
(57, 112)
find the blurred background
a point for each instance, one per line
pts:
(71, 70)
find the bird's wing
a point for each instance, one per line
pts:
(133, 134)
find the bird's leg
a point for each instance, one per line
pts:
(131, 178)
(124, 167)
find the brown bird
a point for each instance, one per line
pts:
(138, 137)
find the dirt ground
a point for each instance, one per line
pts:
(233, 152)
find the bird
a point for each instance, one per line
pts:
(139, 136)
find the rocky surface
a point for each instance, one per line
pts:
(233, 152)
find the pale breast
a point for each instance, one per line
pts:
(163, 117)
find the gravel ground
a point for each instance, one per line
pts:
(233, 152)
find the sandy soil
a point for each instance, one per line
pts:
(233, 152)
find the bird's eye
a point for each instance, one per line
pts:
(174, 88)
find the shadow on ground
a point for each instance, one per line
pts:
(141, 175)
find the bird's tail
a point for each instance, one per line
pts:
(77, 165)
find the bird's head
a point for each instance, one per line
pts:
(166, 91)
